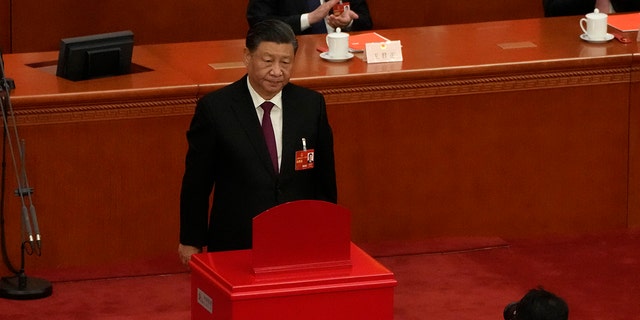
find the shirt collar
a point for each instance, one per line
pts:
(258, 100)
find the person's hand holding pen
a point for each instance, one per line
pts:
(322, 11)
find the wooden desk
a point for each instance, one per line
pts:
(104, 157)
(510, 128)
(5, 24)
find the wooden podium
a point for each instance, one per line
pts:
(302, 266)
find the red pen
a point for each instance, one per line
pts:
(621, 38)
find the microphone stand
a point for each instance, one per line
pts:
(18, 287)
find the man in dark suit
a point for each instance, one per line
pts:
(304, 16)
(228, 154)
(580, 7)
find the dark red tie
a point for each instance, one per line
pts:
(269, 136)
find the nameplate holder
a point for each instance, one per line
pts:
(389, 51)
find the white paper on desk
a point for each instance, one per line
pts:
(389, 51)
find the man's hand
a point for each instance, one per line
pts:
(185, 252)
(343, 20)
(322, 11)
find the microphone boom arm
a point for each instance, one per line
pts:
(18, 287)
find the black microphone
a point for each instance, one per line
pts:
(27, 191)
(27, 225)
(36, 229)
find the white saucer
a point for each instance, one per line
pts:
(607, 38)
(325, 55)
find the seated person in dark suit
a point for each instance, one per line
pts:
(580, 7)
(537, 304)
(311, 16)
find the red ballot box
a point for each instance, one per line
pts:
(302, 266)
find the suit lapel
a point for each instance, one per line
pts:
(246, 114)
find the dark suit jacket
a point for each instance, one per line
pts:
(290, 11)
(227, 153)
(580, 7)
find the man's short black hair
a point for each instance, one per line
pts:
(270, 31)
(537, 304)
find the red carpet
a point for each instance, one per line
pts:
(152, 297)
(598, 275)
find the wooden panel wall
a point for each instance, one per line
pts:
(102, 199)
(5, 26)
(39, 25)
(152, 21)
(415, 13)
(634, 145)
(492, 163)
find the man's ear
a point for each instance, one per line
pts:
(246, 56)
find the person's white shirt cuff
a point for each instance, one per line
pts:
(304, 22)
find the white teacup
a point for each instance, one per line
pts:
(338, 43)
(594, 25)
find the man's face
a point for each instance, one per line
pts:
(269, 67)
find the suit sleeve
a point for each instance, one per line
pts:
(553, 8)
(625, 5)
(326, 171)
(198, 179)
(288, 12)
(364, 21)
